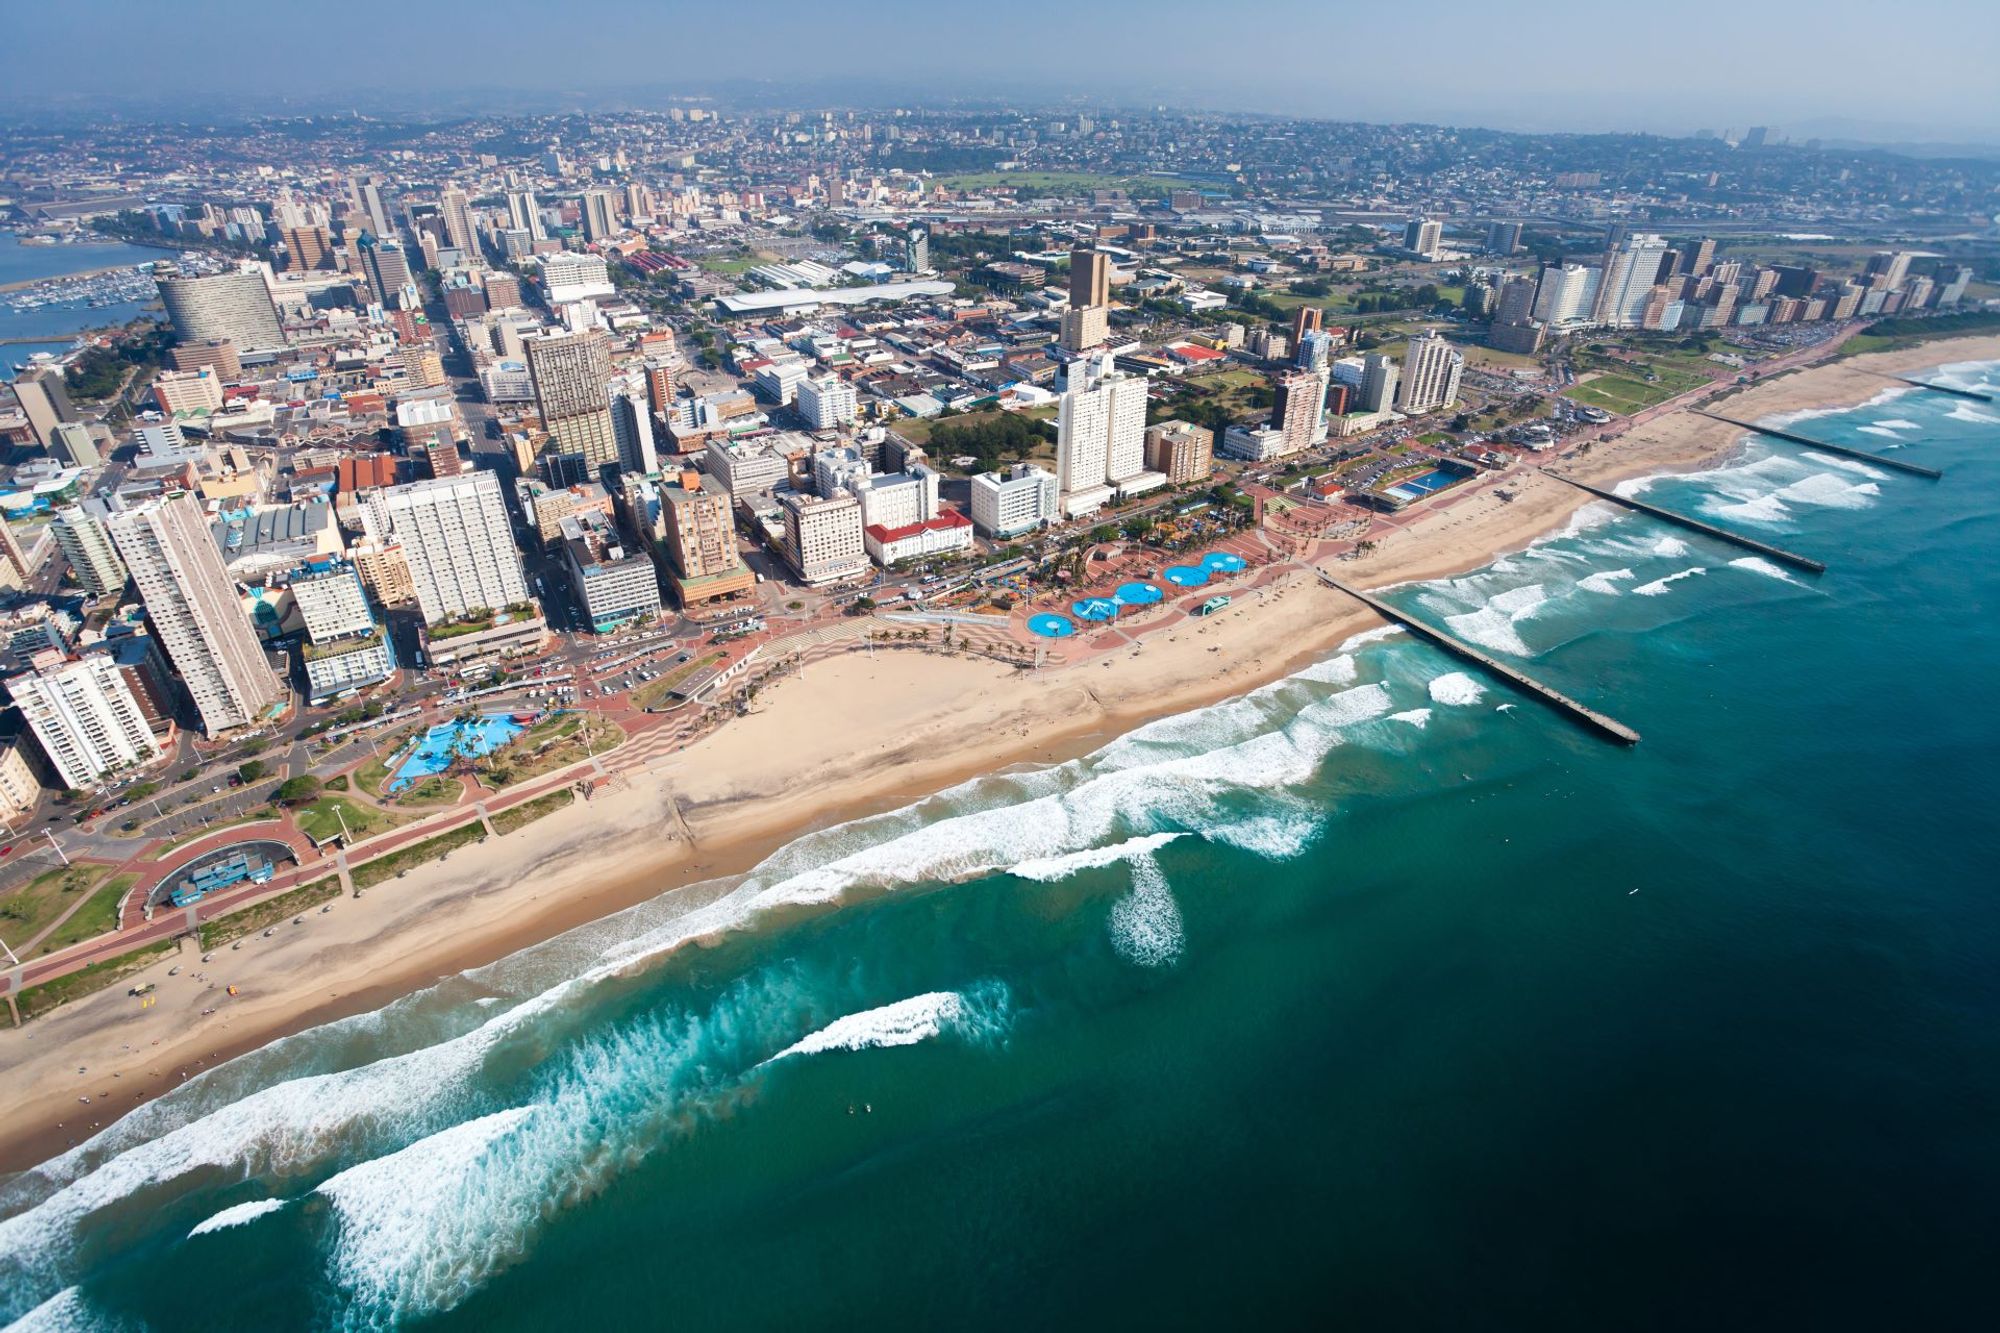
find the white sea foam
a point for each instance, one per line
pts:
(1964, 413)
(1670, 548)
(1659, 586)
(1338, 670)
(1757, 564)
(237, 1216)
(404, 1219)
(1898, 423)
(1416, 717)
(1493, 625)
(1831, 492)
(1456, 689)
(1052, 868)
(1606, 581)
(1847, 464)
(68, 1311)
(1872, 430)
(1506, 708)
(904, 1023)
(1146, 923)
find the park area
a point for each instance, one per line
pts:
(1628, 384)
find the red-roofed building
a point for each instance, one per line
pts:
(949, 531)
(1192, 354)
(361, 472)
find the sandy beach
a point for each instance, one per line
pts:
(846, 737)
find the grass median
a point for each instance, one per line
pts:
(506, 821)
(259, 915)
(384, 868)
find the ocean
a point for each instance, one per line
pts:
(1378, 997)
(54, 327)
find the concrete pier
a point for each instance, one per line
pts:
(1879, 460)
(1973, 394)
(1777, 553)
(1562, 703)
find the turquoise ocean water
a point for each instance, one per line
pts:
(1380, 997)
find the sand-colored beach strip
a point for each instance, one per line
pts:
(847, 736)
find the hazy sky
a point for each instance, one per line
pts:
(1915, 68)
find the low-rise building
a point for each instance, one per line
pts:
(823, 539)
(1181, 450)
(1021, 500)
(617, 587)
(950, 532)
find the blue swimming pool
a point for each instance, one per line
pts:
(1138, 594)
(1224, 561)
(436, 748)
(1416, 488)
(1185, 576)
(1095, 608)
(1051, 626)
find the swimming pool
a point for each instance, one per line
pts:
(436, 748)
(1223, 561)
(1185, 576)
(1416, 488)
(1138, 594)
(1095, 608)
(1051, 626)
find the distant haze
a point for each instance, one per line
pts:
(1917, 70)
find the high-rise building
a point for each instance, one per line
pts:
(1306, 319)
(917, 251)
(1630, 274)
(823, 537)
(388, 269)
(456, 210)
(600, 223)
(1180, 451)
(345, 649)
(83, 713)
(827, 401)
(1567, 295)
(1423, 237)
(1516, 301)
(660, 386)
(188, 392)
(1299, 408)
(80, 536)
(218, 355)
(236, 306)
(1431, 371)
(74, 445)
(571, 374)
(45, 399)
(308, 247)
(632, 426)
(1021, 500)
(1100, 440)
(1503, 238)
(14, 570)
(700, 539)
(457, 542)
(1089, 278)
(1085, 327)
(1378, 383)
(194, 609)
(524, 214)
(1886, 269)
(1703, 256)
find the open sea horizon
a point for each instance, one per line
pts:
(1381, 995)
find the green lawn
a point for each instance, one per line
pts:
(97, 916)
(529, 811)
(38, 1000)
(732, 266)
(321, 820)
(249, 920)
(384, 868)
(29, 909)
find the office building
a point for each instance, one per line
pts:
(1089, 278)
(1100, 441)
(192, 604)
(1378, 383)
(1503, 238)
(827, 402)
(457, 542)
(1424, 237)
(600, 222)
(823, 538)
(632, 428)
(45, 399)
(234, 306)
(1179, 450)
(571, 372)
(308, 247)
(73, 445)
(456, 211)
(1299, 409)
(80, 536)
(1431, 371)
(660, 386)
(388, 271)
(188, 393)
(524, 214)
(1306, 319)
(84, 716)
(1084, 327)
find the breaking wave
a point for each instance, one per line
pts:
(1146, 923)
(904, 1023)
(1456, 689)
(1660, 586)
(237, 1216)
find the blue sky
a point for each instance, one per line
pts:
(1918, 68)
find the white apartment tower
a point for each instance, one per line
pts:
(457, 541)
(194, 609)
(1100, 440)
(80, 536)
(827, 402)
(457, 213)
(86, 718)
(1431, 371)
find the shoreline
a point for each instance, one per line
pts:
(726, 801)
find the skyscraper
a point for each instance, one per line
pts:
(192, 604)
(1306, 319)
(1423, 236)
(1100, 440)
(457, 214)
(1378, 383)
(599, 221)
(524, 214)
(1089, 278)
(1299, 406)
(236, 306)
(1629, 277)
(45, 399)
(632, 425)
(388, 270)
(80, 536)
(457, 541)
(1503, 238)
(1431, 370)
(571, 372)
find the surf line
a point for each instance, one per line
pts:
(1591, 719)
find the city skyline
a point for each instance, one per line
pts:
(1287, 58)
